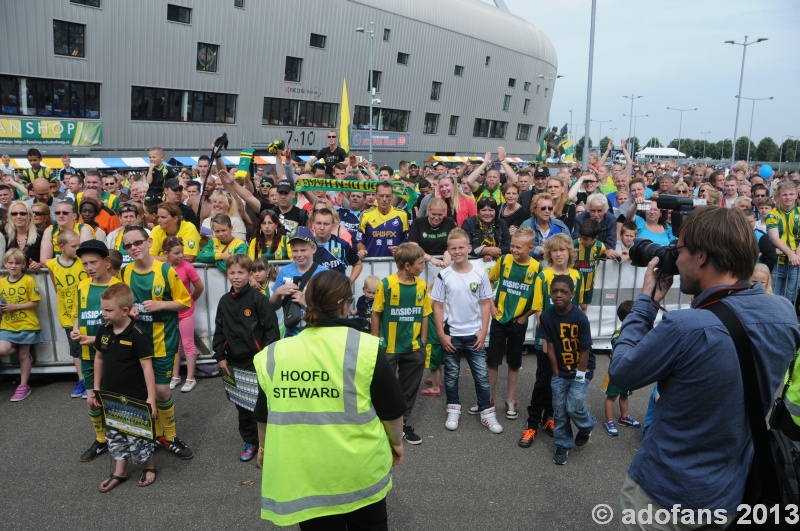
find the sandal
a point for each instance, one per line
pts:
(107, 486)
(430, 392)
(143, 480)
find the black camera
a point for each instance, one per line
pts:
(644, 250)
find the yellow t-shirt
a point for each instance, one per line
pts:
(24, 289)
(67, 279)
(186, 232)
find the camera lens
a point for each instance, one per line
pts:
(643, 251)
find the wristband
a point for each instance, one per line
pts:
(580, 376)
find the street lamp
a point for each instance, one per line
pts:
(752, 112)
(680, 125)
(585, 157)
(633, 98)
(780, 157)
(549, 78)
(601, 122)
(705, 141)
(744, 46)
(371, 34)
(634, 117)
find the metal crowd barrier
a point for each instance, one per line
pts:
(615, 283)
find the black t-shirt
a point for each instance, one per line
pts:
(331, 157)
(189, 215)
(433, 241)
(364, 307)
(515, 218)
(568, 334)
(294, 218)
(122, 370)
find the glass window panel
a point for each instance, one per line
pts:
(230, 109)
(44, 97)
(209, 107)
(285, 113)
(60, 38)
(61, 99)
(9, 95)
(197, 106)
(77, 40)
(318, 114)
(175, 104)
(77, 99)
(92, 100)
(160, 104)
(137, 104)
(219, 111)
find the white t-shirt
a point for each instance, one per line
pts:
(462, 294)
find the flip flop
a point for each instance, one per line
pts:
(429, 392)
(143, 479)
(107, 486)
(429, 381)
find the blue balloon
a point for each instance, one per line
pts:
(766, 171)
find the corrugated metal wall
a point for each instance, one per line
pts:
(132, 43)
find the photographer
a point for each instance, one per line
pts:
(699, 449)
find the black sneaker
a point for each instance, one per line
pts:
(176, 446)
(560, 457)
(96, 449)
(548, 426)
(410, 436)
(582, 437)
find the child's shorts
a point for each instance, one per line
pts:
(74, 345)
(22, 338)
(506, 340)
(433, 356)
(612, 391)
(123, 446)
(587, 295)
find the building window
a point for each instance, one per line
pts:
(382, 119)
(299, 113)
(402, 58)
(386, 33)
(488, 58)
(436, 89)
(179, 14)
(526, 106)
(523, 131)
(69, 39)
(27, 96)
(292, 70)
(539, 134)
(489, 128)
(512, 82)
(506, 102)
(537, 88)
(459, 71)
(527, 87)
(376, 80)
(207, 55)
(182, 106)
(318, 41)
(90, 3)
(453, 128)
(431, 123)
(238, 3)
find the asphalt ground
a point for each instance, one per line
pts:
(467, 479)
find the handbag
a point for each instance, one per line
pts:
(292, 311)
(773, 476)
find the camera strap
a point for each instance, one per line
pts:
(720, 293)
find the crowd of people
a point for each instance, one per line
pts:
(125, 243)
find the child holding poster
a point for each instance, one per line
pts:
(123, 364)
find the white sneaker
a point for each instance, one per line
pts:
(489, 420)
(188, 385)
(453, 414)
(173, 383)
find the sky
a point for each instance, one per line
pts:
(673, 54)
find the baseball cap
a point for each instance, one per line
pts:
(284, 186)
(302, 234)
(413, 163)
(173, 184)
(435, 164)
(92, 246)
(542, 171)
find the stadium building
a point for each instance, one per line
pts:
(110, 78)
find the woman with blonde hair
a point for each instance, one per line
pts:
(459, 206)
(563, 208)
(222, 202)
(22, 234)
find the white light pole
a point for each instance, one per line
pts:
(585, 156)
(371, 34)
(752, 112)
(744, 46)
(549, 78)
(633, 98)
(705, 141)
(601, 122)
(634, 117)
(680, 125)
(780, 157)
(569, 134)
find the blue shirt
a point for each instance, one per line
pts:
(556, 227)
(351, 219)
(698, 450)
(286, 275)
(665, 238)
(336, 254)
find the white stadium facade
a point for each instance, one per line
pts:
(110, 78)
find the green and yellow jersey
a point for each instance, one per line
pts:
(76, 228)
(86, 310)
(282, 252)
(586, 263)
(29, 175)
(214, 248)
(514, 294)
(788, 225)
(402, 307)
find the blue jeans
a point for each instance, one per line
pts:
(477, 364)
(568, 397)
(784, 281)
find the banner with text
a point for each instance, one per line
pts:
(399, 189)
(21, 132)
(379, 139)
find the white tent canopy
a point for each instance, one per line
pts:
(660, 153)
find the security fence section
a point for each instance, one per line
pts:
(615, 284)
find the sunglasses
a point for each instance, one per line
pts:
(19, 213)
(37, 213)
(266, 185)
(590, 180)
(63, 212)
(332, 136)
(135, 243)
(545, 208)
(127, 208)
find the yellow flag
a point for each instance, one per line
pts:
(344, 120)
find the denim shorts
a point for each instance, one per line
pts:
(22, 338)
